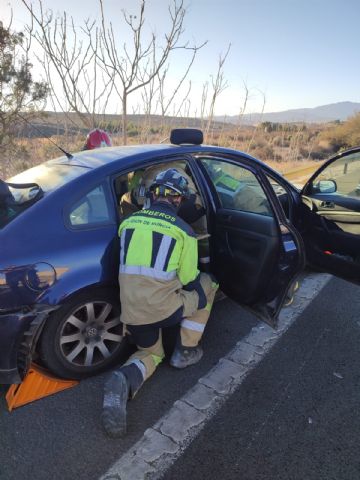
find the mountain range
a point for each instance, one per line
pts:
(324, 113)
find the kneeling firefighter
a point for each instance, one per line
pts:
(160, 286)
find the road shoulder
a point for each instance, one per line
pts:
(165, 441)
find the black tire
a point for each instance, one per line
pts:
(84, 336)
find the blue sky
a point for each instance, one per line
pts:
(298, 53)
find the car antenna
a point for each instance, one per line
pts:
(69, 156)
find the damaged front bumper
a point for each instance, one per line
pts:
(19, 331)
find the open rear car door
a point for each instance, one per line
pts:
(331, 216)
(255, 253)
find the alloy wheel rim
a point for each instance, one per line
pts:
(91, 334)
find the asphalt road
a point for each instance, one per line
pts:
(60, 437)
(297, 415)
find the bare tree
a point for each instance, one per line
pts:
(240, 116)
(135, 67)
(259, 122)
(71, 62)
(295, 143)
(204, 96)
(165, 101)
(219, 84)
(150, 101)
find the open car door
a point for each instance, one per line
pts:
(255, 253)
(331, 215)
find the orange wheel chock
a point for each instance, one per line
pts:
(37, 384)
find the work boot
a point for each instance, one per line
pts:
(116, 394)
(185, 356)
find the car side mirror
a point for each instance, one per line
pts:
(324, 186)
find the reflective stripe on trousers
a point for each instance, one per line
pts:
(192, 328)
(146, 360)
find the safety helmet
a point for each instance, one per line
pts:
(96, 139)
(170, 182)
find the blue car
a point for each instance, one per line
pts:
(59, 248)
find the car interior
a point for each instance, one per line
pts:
(332, 207)
(133, 190)
(244, 234)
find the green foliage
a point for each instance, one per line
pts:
(19, 93)
(132, 130)
(269, 127)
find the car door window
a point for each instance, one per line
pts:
(282, 195)
(132, 189)
(341, 177)
(91, 209)
(237, 187)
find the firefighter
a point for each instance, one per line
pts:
(97, 139)
(191, 210)
(160, 286)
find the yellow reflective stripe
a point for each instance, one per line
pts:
(157, 359)
(208, 307)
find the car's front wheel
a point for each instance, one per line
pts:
(84, 336)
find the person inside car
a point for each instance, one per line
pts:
(160, 286)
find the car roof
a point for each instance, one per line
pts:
(107, 161)
(112, 157)
(104, 156)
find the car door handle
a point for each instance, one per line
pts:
(327, 204)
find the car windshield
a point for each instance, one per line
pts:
(26, 188)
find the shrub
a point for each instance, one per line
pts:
(263, 152)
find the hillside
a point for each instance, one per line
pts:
(324, 113)
(58, 123)
(52, 123)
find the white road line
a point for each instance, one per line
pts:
(165, 441)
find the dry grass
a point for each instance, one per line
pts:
(283, 151)
(293, 165)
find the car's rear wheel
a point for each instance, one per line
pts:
(84, 337)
